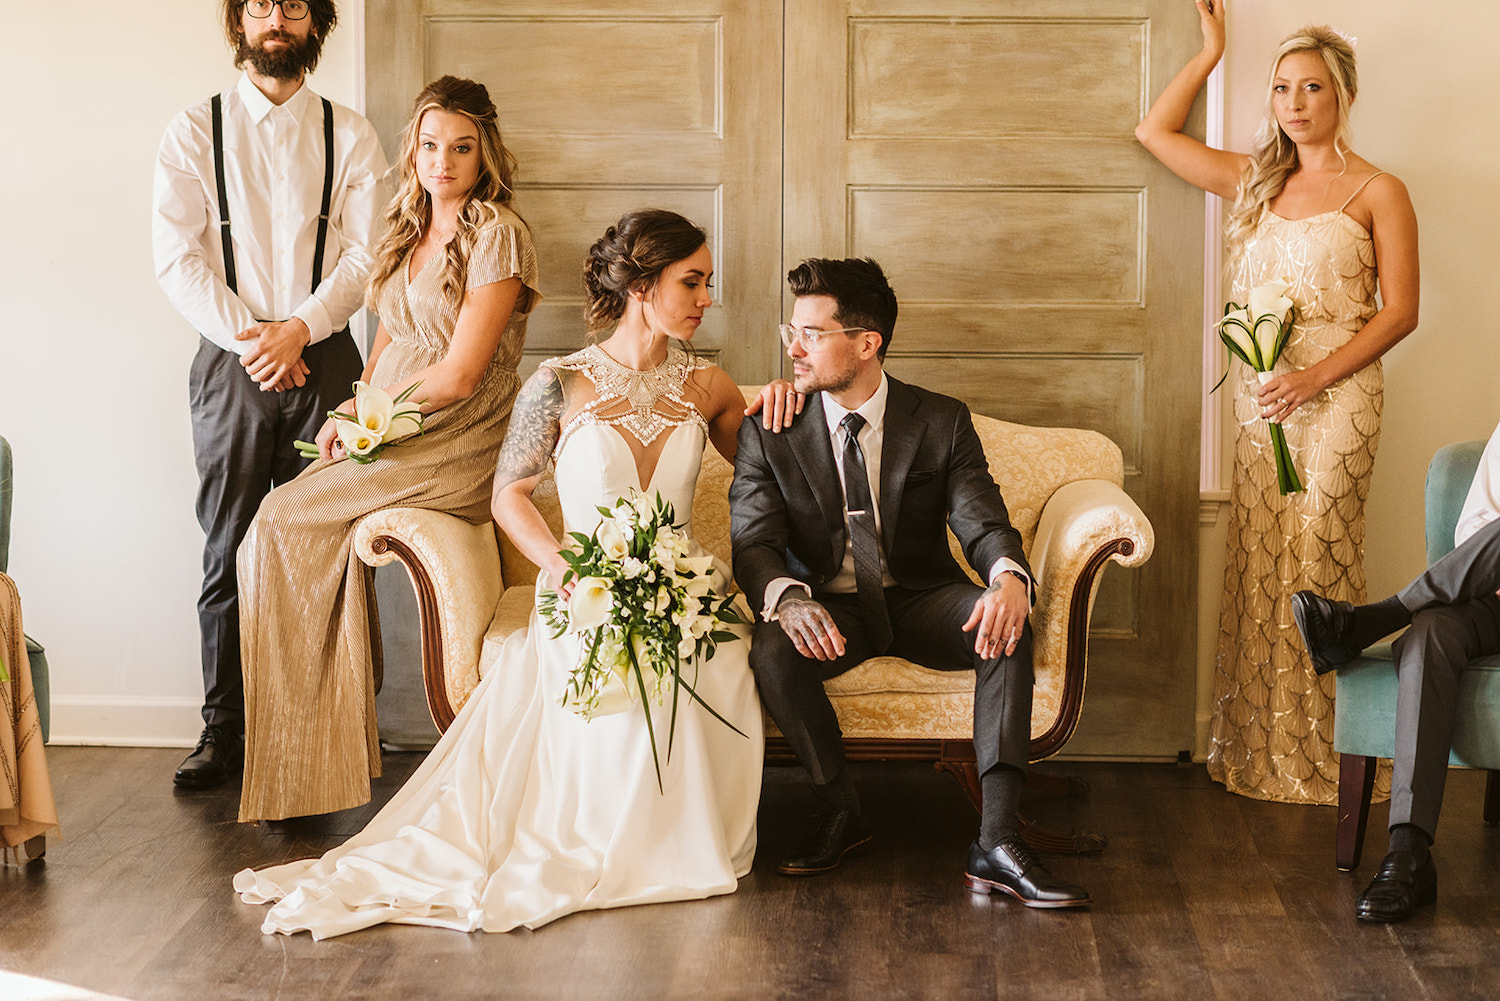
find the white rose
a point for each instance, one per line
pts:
(590, 604)
(632, 567)
(612, 540)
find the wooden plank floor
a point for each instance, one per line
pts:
(1200, 895)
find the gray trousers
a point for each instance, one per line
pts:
(242, 444)
(1455, 618)
(926, 626)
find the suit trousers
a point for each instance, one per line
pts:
(242, 445)
(927, 629)
(1455, 618)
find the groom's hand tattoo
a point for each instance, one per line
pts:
(535, 423)
(810, 628)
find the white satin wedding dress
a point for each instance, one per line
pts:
(525, 812)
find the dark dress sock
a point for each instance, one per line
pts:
(1001, 791)
(839, 794)
(1376, 621)
(1410, 838)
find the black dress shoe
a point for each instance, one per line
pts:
(839, 833)
(1403, 883)
(220, 753)
(1325, 626)
(1010, 868)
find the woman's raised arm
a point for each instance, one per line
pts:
(1161, 132)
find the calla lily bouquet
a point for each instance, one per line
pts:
(377, 421)
(643, 607)
(1255, 333)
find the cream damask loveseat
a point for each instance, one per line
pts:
(1063, 489)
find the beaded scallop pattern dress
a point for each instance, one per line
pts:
(1273, 716)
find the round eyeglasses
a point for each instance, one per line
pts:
(812, 339)
(292, 10)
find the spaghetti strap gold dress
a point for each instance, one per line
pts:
(1272, 735)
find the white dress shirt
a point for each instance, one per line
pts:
(871, 442)
(273, 174)
(1482, 505)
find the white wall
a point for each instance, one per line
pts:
(94, 362)
(1425, 112)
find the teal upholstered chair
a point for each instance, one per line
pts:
(36, 654)
(1364, 718)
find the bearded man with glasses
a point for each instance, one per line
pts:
(265, 202)
(839, 526)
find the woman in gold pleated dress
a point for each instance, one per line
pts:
(455, 276)
(1307, 211)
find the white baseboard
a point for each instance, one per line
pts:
(125, 721)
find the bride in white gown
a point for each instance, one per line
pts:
(526, 812)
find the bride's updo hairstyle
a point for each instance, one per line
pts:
(630, 257)
(1275, 155)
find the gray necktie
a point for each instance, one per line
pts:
(863, 538)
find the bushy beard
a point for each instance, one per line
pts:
(288, 63)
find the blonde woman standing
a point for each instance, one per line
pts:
(1307, 210)
(455, 277)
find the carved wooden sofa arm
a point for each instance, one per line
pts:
(1084, 525)
(455, 569)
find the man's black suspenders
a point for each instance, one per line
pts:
(217, 105)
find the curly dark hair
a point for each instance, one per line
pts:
(630, 257)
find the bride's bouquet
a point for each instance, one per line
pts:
(642, 608)
(1255, 333)
(377, 421)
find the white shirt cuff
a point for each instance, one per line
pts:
(1007, 565)
(774, 591)
(312, 313)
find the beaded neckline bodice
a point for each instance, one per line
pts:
(643, 403)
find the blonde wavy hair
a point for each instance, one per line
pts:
(410, 211)
(1274, 157)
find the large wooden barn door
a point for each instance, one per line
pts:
(1049, 271)
(615, 106)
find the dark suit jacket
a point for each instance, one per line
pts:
(787, 506)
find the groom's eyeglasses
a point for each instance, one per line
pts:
(812, 339)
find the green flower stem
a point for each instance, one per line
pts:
(1286, 473)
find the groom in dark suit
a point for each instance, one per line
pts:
(839, 539)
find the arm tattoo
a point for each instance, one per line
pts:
(535, 423)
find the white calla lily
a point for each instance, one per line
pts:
(1234, 330)
(1271, 299)
(372, 409)
(612, 540)
(590, 604)
(406, 419)
(357, 439)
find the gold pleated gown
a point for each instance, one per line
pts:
(311, 743)
(1273, 716)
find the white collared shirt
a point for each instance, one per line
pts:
(273, 174)
(871, 442)
(1482, 504)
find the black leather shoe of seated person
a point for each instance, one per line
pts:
(839, 833)
(1325, 626)
(1010, 868)
(1402, 884)
(220, 754)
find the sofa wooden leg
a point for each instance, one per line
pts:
(956, 757)
(1492, 798)
(1356, 782)
(1044, 839)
